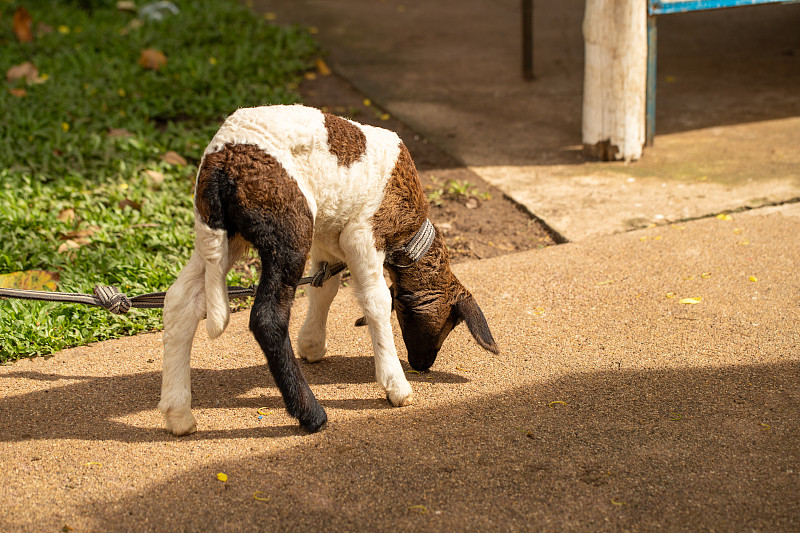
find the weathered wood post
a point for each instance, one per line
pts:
(615, 78)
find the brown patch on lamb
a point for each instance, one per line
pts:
(345, 140)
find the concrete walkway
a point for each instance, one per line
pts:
(728, 104)
(613, 405)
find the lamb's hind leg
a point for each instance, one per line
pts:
(184, 306)
(311, 343)
(269, 322)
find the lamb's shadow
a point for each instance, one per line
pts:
(87, 407)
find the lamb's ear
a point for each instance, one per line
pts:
(468, 310)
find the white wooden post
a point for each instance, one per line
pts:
(615, 78)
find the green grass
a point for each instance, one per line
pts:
(57, 155)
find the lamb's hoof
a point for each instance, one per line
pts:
(312, 353)
(315, 420)
(401, 397)
(180, 424)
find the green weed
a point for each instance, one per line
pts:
(77, 149)
(454, 190)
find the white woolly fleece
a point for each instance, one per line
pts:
(296, 137)
(338, 196)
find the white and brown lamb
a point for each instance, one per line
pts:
(289, 181)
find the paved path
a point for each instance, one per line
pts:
(728, 104)
(675, 416)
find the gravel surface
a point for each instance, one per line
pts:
(612, 406)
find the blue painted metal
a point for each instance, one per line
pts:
(650, 98)
(665, 7)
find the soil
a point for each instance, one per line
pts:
(477, 219)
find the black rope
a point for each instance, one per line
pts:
(113, 300)
(118, 303)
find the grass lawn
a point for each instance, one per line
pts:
(91, 190)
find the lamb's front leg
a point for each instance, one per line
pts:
(311, 343)
(366, 270)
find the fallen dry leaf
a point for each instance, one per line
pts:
(19, 92)
(70, 244)
(137, 206)
(43, 29)
(152, 59)
(174, 158)
(66, 215)
(81, 235)
(691, 301)
(126, 6)
(30, 280)
(323, 68)
(26, 71)
(155, 178)
(22, 25)
(119, 132)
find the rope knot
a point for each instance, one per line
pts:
(113, 300)
(321, 276)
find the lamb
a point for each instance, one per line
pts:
(292, 181)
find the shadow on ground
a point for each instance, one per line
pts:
(87, 409)
(712, 447)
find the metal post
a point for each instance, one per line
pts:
(527, 39)
(650, 97)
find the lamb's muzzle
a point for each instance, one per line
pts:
(293, 182)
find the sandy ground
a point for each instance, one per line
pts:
(674, 416)
(612, 405)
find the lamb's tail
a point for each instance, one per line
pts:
(212, 245)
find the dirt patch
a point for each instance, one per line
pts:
(477, 219)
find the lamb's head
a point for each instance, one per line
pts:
(430, 302)
(428, 298)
